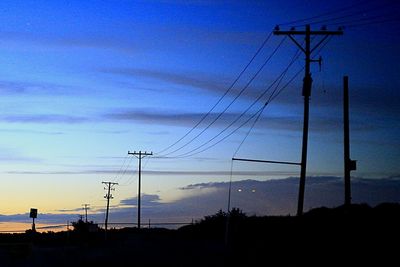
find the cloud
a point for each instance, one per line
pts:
(280, 196)
(216, 85)
(322, 123)
(87, 41)
(24, 131)
(71, 210)
(155, 172)
(47, 218)
(43, 118)
(170, 77)
(362, 98)
(146, 201)
(189, 119)
(271, 197)
(24, 87)
(16, 157)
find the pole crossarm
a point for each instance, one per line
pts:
(268, 161)
(279, 32)
(140, 154)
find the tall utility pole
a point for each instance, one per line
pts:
(108, 196)
(86, 207)
(307, 84)
(349, 165)
(140, 155)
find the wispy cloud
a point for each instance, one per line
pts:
(43, 118)
(156, 172)
(271, 197)
(146, 200)
(8, 156)
(321, 123)
(16, 158)
(59, 41)
(31, 88)
(170, 77)
(70, 210)
(24, 131)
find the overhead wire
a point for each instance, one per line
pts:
(120, 169)
(372, 23)
(125, 170)
(231, 103)
(245, 122)
(222, 96)
(272, 97)
(328, 13)
(365, 19)
(353, 14)
(275, 83)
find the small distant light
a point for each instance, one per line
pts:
(239, 190)
(253, 191)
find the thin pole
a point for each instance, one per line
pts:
(108, 196)
(140, 155)
(108, 207)
(139, 189)
(86, 209)
(307, 83)
(347, 191)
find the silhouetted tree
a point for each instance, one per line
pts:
(81, 226)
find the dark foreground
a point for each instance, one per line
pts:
(358, 236)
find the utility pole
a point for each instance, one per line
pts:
(307, 84)
(140, 155)
(108, 196)
(349, 165)
(86, 206)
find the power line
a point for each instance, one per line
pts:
(125, 170)
(120, 169)
(277, 81)
(230, 104)
(373, 23)
(223, 95)
(366, 19)
(132, 178)
(255, 121)
(354, 14)
(245, 122)
(248, 132)
(328, 13)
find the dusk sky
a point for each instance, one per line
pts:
(83, 82)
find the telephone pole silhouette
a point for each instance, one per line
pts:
(349, 165)
(86, 206)
(140, 155)
(307, 84)
(108, 196)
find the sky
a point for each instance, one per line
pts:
(84, 82)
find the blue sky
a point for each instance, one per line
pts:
(83, 82)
